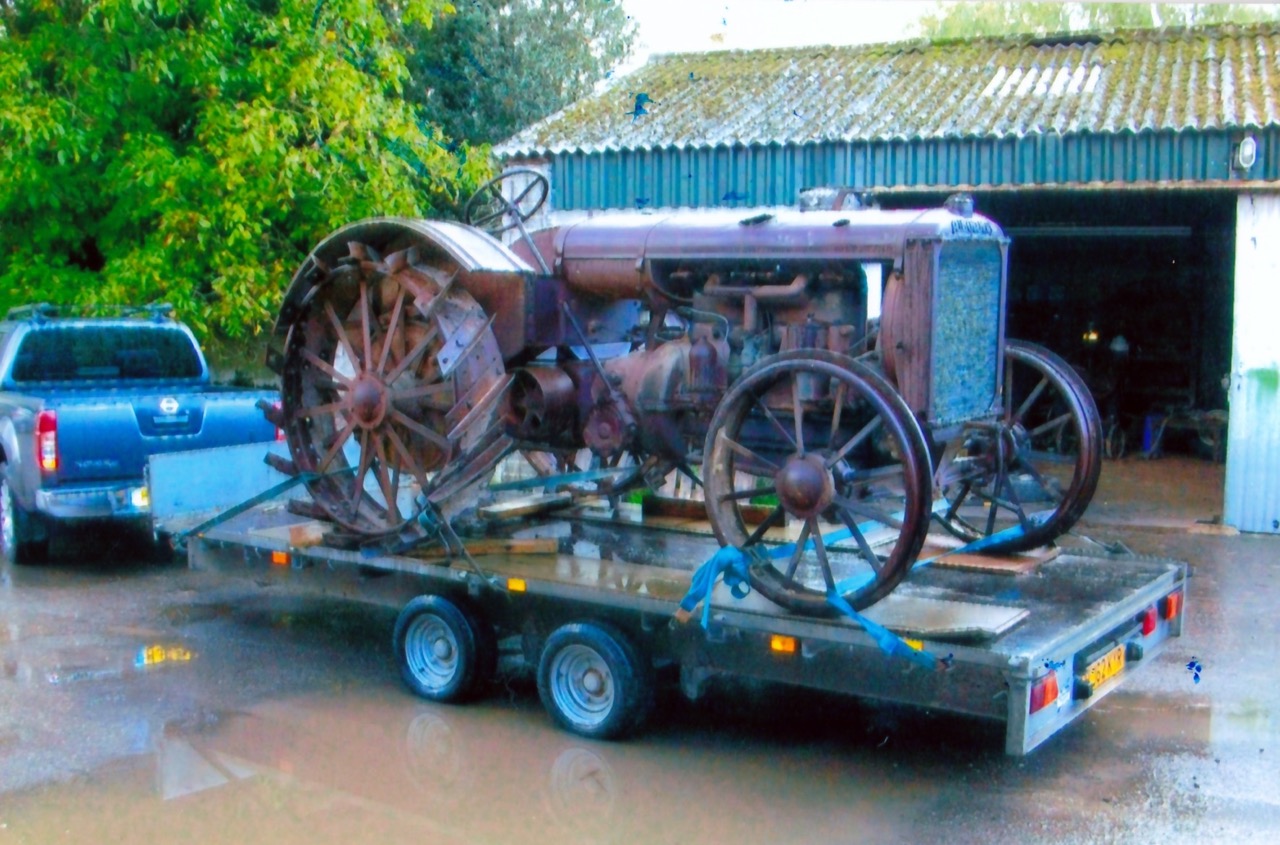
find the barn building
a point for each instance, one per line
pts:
(1137, 174)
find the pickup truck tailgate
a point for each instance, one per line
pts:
(104, 436)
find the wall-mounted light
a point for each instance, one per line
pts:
(1246, 152)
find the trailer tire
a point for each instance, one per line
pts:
(444, 651)
(594, 682)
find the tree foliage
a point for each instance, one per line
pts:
(973, 19)
(194, 150)
(496, 66)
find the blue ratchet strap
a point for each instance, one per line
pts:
(732, 563)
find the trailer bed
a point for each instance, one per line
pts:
(1055, 634)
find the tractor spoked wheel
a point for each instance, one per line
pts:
(391, 381)
(815, 465)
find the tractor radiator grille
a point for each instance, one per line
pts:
(966, 326)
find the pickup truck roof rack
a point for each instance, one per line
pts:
(43, 311)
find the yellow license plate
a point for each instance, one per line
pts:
(155, 654)
(1105, 668)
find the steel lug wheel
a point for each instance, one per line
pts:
(1035, 466)
(814, 462)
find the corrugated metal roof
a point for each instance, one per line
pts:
(1218, 77)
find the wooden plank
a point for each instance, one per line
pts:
(696, 509)
(1019, 563)
(526, 506)
(299, 535)
(956, 621)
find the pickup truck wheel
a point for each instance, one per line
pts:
(593, 681)
(444, 652)
(23, 538)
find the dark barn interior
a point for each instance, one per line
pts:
(1087, 268)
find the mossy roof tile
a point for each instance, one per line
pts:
(991, 88)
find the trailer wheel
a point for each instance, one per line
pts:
(444, 652)
(593, 681)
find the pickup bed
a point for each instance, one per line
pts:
(85, 401)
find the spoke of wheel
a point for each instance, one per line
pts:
(415, 469)
(744, 452)
(357, 485)
(392, 327)
(413, 355)
(776, 424)
(421, 430)
(384, 481)
(1039, 480)
(1030, 400)
(341, 332)
(841, 387)
(771, 490)
(820, 549)
(965, 488)
(854, 441)
(797, 409)
(366, 333)
(771, 520)
(847, 517)
(528, 189)
(993, 505)
(316, 361)
(1056, 422)
(328, 408)
(864, 510)
(335, 448)
(798, 552)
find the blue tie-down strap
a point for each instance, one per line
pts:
(732, 563)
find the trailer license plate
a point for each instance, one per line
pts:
(1106, 667)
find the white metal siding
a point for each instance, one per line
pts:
(1252, 501)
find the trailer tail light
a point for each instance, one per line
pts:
(1149, 620)
(517, 585)
(281, 558)
(47, 440)
(1171, 605)
(782, 644)
(1044, 692)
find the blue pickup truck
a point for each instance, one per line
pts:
(85, 400)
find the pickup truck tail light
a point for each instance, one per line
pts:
(47, 440)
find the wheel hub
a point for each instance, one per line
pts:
(804, 485)
(442, 648)
(368, 401)
(592, 683)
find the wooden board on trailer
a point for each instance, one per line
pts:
(941, 551)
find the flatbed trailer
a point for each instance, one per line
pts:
(591, 597)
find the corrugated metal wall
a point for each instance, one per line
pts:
(1252, 499)
(774, 174)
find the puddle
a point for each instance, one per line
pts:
(361, 767)
(74, 665)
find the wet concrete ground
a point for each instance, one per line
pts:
(141, 702)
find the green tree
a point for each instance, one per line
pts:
(194, 150)
(496, 66)
(970, 19)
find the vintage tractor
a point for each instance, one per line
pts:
(732, 348)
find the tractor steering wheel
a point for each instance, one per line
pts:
(488, 204)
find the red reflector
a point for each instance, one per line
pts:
(1149, 621)
(47, 440)
(1044, 692)
(1171, 606)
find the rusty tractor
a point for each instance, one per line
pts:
(729, 349)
